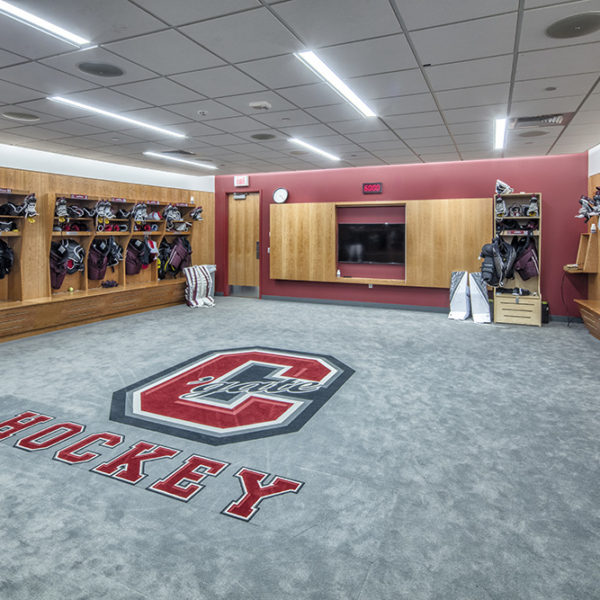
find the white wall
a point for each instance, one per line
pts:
(594, 160)
(16, 157)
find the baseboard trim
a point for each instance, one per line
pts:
(436, 309)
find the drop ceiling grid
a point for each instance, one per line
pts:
(467, 82)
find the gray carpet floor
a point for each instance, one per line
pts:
(459, 462)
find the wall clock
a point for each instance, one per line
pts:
(280, 195)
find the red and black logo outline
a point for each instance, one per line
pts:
(127, 408)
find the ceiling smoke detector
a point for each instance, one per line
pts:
(20, 116)
(100, 69)
(574, 26)
(260, 105)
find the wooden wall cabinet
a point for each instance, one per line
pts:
(441, 236)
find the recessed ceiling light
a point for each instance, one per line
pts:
(180, 160)
(27, 18)
(314, 149)
(499, 134)
(574, 26)
(100, 69)
(262, 136)
(313, 62)
(20, 116)
(107, 113)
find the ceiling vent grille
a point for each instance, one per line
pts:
(559, 119)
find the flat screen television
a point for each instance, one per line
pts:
(370, 243)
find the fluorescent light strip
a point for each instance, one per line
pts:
(314, 148)
(181, 160)
(311, 60)
(499, 134)
(41, 24)
(106, 113)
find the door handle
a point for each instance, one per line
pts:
(257, 250)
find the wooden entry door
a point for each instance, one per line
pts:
(244, 261)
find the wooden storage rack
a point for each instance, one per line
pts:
(22, 315)
(509, 308)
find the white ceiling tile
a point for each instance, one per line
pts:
(286, 118)
(420, 14)
(381, 135)
(395, 145)
(156, 116)
(401, 105)
(414, 120)
(241, 103)
(258, 34)
(33, 132)
(475, 96)
(336, 21)
(472, 127)
(279, 72)
(535, 3)
(400, 83)
(316, 130)
(558, 61)
(441, 141)
(469, 73)
(475, 113)
(333, 113)
(221, 81)
(178, 12)
(463, 41)
(223, 139)
(358, 125)
(587, 117)
(534, 108)
(10, 93)
(100, 22)
(213, 110)
(592, 103)
(158, 91)
(422, 132)
(26, 41)
(44, 79)
(376, 55)
(102, 98)
(166, 52)
(8, 58)
(308, 96)
(69, 63)
(535, 22)
(73, 128)
(474, 138)
(480, 155)
(474, 146)
(235, 124)
(569, 85)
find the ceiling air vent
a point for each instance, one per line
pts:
(560, 120)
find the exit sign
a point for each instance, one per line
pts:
(372, 188)
(241, 180)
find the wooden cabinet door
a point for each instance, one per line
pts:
(244, 262)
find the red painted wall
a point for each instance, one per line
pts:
(560, 179)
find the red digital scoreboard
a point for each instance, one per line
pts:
(372, 188)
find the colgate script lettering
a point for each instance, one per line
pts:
(204, 388)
